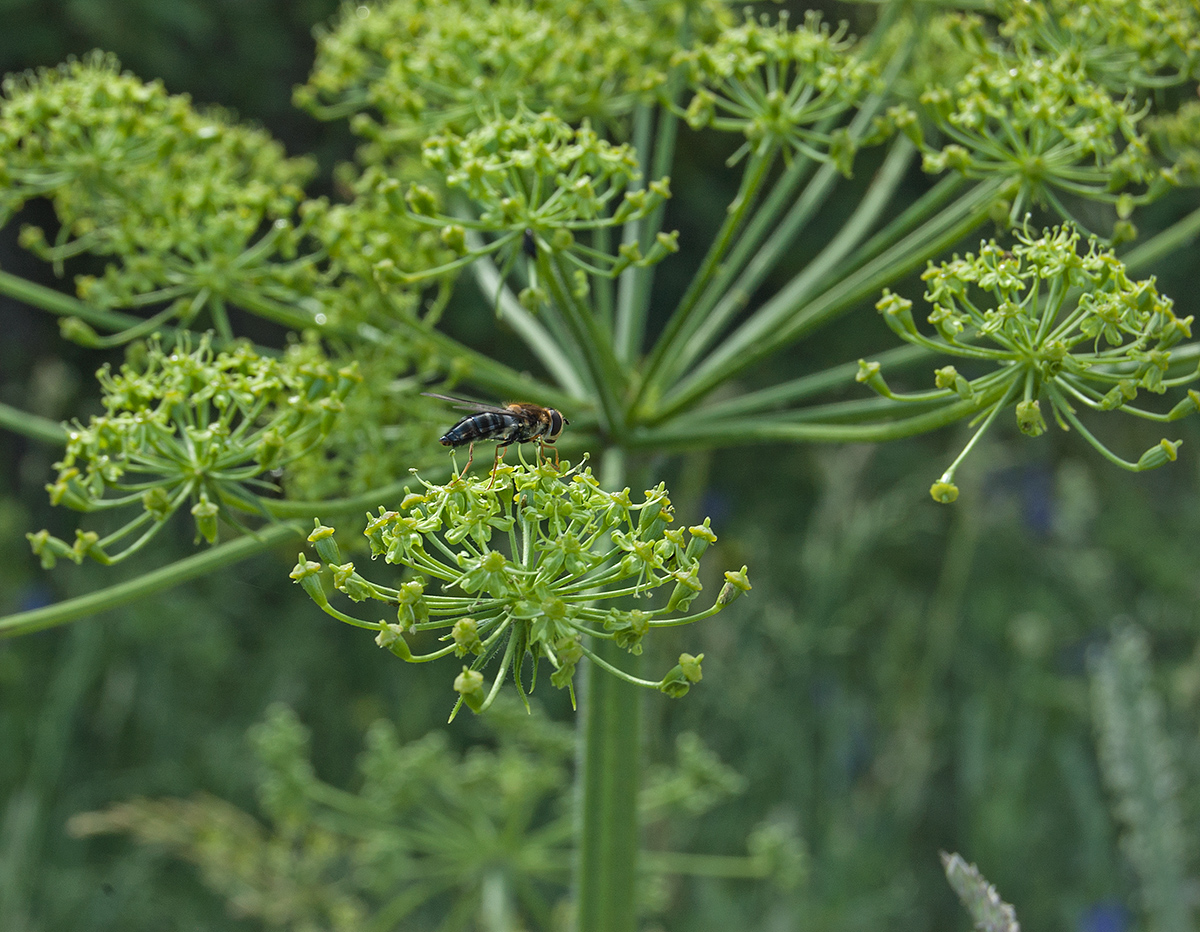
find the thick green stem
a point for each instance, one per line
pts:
(33, 426)
(830, 259)
(588, 333)
(164, 578)
(692, 433)
(633, 303)
(609, 751)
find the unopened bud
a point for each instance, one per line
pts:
(322, 540)
(735, 584)
(305, 572)
(944, 492)
(1165, 452)
(469, 685)
(1029, 418)
(466, 638)
(205, 513)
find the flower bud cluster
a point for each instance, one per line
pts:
(505, 799)
(191, 425)
(536, 183)
(1121, 43)
(776, 85)
(401, 67)
(1055, 325)
(518, 570)
(128, 169)
(364, 240)
(386, 427)
(1040, 126)
(1176, 137)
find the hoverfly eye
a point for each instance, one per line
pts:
(557, 421)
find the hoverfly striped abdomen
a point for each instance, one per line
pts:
(487, 425)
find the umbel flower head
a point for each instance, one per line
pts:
(1121, 43)
(190, 425)
(409, 68)
(1056, 326)
(536, 183)
(1040, 128)
(128, 169)
(778, 86)
(520, 570)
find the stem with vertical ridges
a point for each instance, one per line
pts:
(609, 764)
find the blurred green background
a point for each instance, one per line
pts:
(904, 678)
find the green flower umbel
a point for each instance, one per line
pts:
(537, 184)
(1055, 326)
(781, 87)
(192, 211)
(190, 426)
(522, 569)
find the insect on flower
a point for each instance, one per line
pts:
(517, 422)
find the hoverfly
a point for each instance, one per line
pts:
(513, 423)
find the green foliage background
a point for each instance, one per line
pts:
(906, 678)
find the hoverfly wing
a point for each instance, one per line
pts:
(466, 404)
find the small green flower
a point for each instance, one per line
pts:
(1029, 418)
(515, 569)
(944, 492)
(682, 676)
(736, 583)
(469, 685)
(1053, 324)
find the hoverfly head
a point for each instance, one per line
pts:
(557, 423)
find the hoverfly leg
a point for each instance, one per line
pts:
(470, 456)
(496, 462)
